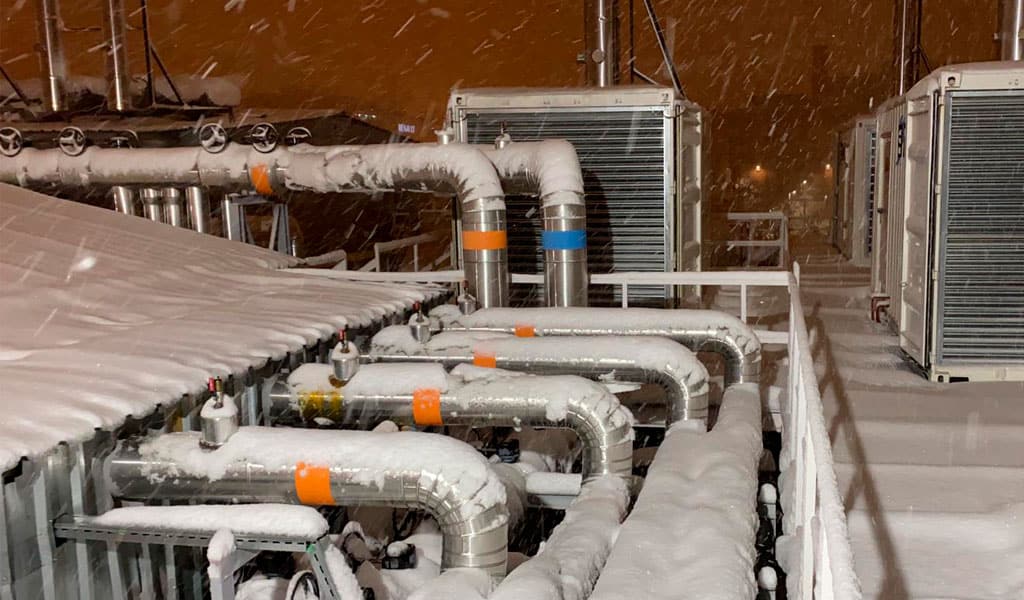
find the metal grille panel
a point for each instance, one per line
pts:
(981, 279)
(869, 225)
(622, 154)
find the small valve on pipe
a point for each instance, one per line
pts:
(219, 416)
(419, 325)
(344, 358)
(467, 303)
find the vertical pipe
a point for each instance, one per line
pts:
(1011, 30)
(902, 54)
(198, 208)
(566, 282)
(601, 38)
(151, 205)
(485, 252)
(174, 209)
(124, 199)
(54, 67)
(232, 217)
(118, 74)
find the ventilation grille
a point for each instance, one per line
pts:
(622, 154)
(982, 272)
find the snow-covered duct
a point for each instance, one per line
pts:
(452, 168)
(698, 330)
(643, 360)
(423, 395)
(442, 476)
(550, 170)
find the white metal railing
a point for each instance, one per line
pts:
(414, 241)
(823, 566)
(779, 243)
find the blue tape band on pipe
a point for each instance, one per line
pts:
(564, 240)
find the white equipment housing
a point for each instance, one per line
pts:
(951, 163)
(853, 226)
(640, 151)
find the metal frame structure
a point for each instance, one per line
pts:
(854, 198)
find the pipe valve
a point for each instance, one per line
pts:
(219, 417)
(419, 325)
(344, 358)
(467, 303)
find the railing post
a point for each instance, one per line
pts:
(743, 302)
(625, 295)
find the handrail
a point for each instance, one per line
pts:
(781, 242)
(391, 245)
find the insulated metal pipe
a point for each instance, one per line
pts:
(118, 73)
(1011, 30)
(124, 199)
(198, 208)
(698, 330)
(601, 38)
(439, 475)
(458, 169)
(604, 426)
(51, 58)
(174, 208)
(642, 360)
(152, 207)
(551, 170)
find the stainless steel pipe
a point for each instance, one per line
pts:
(441, 476)
(698, 330)
(198, 208)
(174, 207)
(124, 199)
(604, 426)
(551, 170)
(641, 360)
(152, 206)
(51, 57)
(1011, 30)
(118, 72)
(601, 41)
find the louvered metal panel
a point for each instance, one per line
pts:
(981, 245)
(627, 169)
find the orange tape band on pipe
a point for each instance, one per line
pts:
(489, 361)
(484, 240)
(313, 485)
(426, 407)
(525, 331)
(259, 175)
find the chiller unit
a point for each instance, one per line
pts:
(853, 225)
(954, 207)
(640, 152)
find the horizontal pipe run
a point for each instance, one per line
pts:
(698, 330)
(604, 426)
(642, 360)
(439, 475)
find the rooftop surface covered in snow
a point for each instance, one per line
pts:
(932, 474)
(103, 316)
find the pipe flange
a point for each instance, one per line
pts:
(72, 141)
(213, 138)
(263, 137)
(11, 141)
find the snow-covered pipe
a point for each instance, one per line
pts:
(701, 488)
(458, 169)
(698, 330)
(442, 476)
(570, 562)
(414, 395)
(550, 170)
(643, 360)
(51, 57)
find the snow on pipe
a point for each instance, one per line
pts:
(701, 489)
(550, 169)
(573, 555)
(442, 476)
(454, 168)
(698, 330)
(643, 360)
(423, 395)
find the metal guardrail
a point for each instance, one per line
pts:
(390, 246)
(824, 566)
(780, 243)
